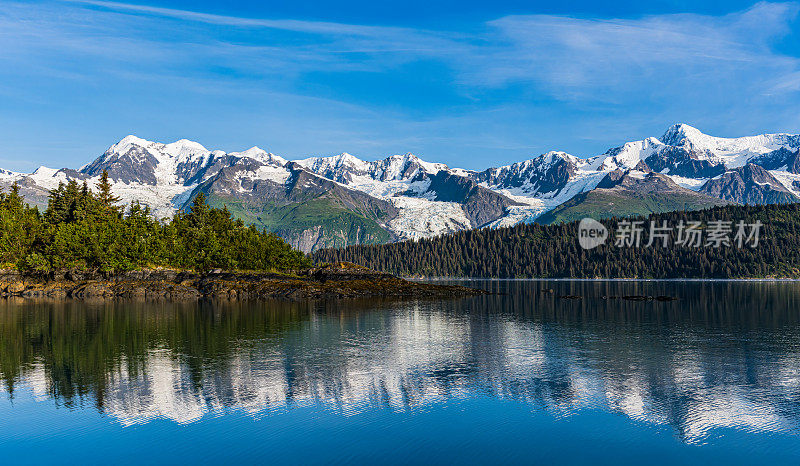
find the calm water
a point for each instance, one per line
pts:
(514, 378)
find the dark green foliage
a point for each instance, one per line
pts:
(552, 251)
(19, 225)
(83, 230)
(104, 195)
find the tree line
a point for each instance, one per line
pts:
(553, 251)
(84, 229)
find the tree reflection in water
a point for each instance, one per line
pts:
(727, 354)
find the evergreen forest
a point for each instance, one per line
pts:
(553, 251)
(88, 230)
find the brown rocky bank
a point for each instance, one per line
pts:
(342, 280)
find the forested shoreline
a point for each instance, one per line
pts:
(553, 251)
(86, 229)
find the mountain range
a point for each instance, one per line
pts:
(321, 202)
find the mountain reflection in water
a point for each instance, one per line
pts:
(727, 354)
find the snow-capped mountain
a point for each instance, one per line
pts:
(334, 201)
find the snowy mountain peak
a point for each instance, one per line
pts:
(8, 174)
(180, 149)
(336, 167)
(406, 158)
(539, 164)
(626, 156)
(549, 158)
(258, 154)
(680, 134)
(398, 167)
(125, 144)
(255, 150)
(692, 139)
(345, 159)
(185, 148)
(428, 167)
(42, 170)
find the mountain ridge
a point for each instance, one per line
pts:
(405, 197)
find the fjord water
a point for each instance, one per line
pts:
(512, 377)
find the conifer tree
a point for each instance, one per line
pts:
(200, 208)
(106, 197)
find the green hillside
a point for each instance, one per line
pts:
(607, 203)
(340, 226)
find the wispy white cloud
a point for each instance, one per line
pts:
(569, 58)
(311, 27)
(516, 76)
(573, 57)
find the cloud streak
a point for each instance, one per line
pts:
(505, 83)
(576, 57)
(567, 56)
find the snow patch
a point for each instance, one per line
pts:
(788, 180)
(422, 218)
(689, 183)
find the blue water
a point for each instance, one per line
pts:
(521, 376)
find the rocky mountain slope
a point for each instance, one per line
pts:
(632, 193)
(321, 202)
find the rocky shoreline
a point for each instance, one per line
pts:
(342, 280)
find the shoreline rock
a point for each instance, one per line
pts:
(342, 280)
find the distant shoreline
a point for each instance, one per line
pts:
(749, 280)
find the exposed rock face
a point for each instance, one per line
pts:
(750, 184)
(299, 186)
(613, 179)
(623, 194)
(34, 194)
(481, 205)
(305, 185)
(642, 183)
(318, 237)
(678, 161)
(134, 165)
(793, 163)
(341, 280)
(781, 158)
(544, 174)
(310, 239)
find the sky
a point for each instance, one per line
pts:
(469, 83)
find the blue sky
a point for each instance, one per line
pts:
(471, 84)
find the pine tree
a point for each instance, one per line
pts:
(105, 195)
(200, 209)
